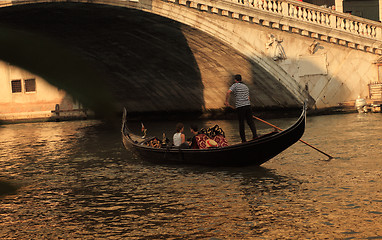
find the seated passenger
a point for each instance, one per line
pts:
(179, 139)
(194, 131)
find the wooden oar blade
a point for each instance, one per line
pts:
(261, 120)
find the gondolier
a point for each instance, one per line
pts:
(243, 106)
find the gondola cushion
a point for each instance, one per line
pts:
(201, 140)
(221, 141)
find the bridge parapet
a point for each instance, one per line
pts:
(319, 15)
(300, 18)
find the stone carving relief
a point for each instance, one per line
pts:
(313, 48)
(275, 48)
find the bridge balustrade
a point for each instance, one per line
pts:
(298, 17)
(317, 15)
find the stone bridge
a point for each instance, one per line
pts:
(179, 55)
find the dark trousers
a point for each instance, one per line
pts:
(245, 113)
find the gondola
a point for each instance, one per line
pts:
(254, 152)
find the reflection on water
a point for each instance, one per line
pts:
(76, 181)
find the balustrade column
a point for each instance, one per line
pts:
(378, 33)
(333, 21)
(285, 8)
(380, 10)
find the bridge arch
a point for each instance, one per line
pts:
(252, 35)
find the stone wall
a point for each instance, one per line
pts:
(20, 103)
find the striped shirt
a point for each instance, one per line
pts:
(241, 92)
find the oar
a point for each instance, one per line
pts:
(261, 120)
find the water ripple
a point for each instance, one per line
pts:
(76, 181)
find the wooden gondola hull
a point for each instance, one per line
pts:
(254, 152)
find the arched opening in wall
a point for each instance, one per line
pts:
(142, 60)
(146, 62)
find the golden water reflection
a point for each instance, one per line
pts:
(77, 181)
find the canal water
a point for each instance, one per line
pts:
(75, 180)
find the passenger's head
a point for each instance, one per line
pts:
(237, 77)
(179, 127)
(194, 128)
